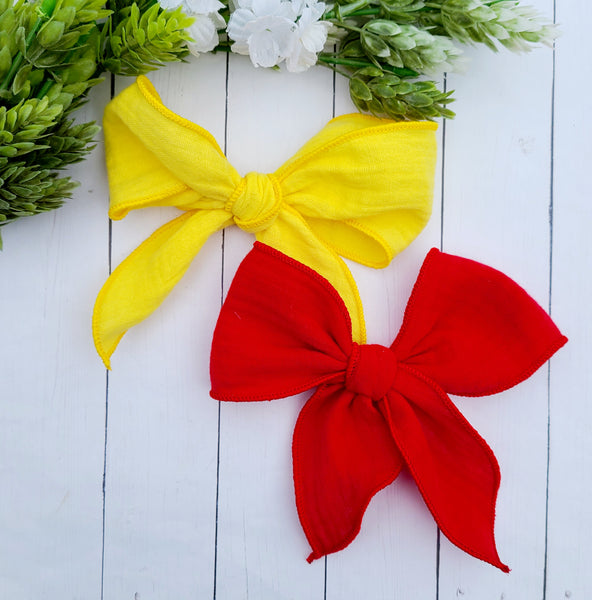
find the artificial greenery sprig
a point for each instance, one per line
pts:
(386, 48)
(389, 49)
(52, 53)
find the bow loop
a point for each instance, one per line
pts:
(255, 202)
(297, 332)
(371, 370)
(472, 329)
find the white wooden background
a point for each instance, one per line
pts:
(135, 485)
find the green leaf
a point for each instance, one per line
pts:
(425, 86)
(66, 15)
(358, 89)
(370, 71)
(382, 27)
(402, 42)
(384, 91)
(395, 60)
(8, 151)
(50, 34)
(447, 113)
(405, 88)
(373, 45)
(5, 61)
(7, 15)
(11, 117)
(375, 106)
(21, 79)
(25, 113)
(389, 80)
(20, 40)
(418, 99)
(395, 106)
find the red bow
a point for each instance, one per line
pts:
(468, 330)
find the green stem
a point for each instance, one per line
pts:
(223, 47)
(365, 11)
(329, 59)
(349, 27)
(44, 89)
(45, 11)
(344, 10)
(336, 70)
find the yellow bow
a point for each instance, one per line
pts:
(361, 188)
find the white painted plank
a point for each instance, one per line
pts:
(53, 393)
(162, 437)
(162, 426)
(569, 553)
(496, 197)
(261, 546)
(394, 555)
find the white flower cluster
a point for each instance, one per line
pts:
(271, 31)
(207, 22)
(268, 31)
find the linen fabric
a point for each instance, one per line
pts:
(468, 329)
(361, 189)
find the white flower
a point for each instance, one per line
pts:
(263, 29)
(170, 4)
(207, 22)
(309, 39)
(202, 7)
(204, 31)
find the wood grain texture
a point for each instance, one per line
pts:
(52, 393)
(570, 518)
(270, 115)
(496, 210)
(162, 427)
(198, 499)
(398, 533)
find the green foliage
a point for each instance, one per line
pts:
(145, 41)
(51, 53)
(386, 47)
(380, 93)
(491, 23)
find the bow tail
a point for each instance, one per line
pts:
(291, 234)
(343, 454)
(143, 280)
(454, 468)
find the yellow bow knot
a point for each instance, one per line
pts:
(361, 188)
(255, 202)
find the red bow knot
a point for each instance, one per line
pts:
(468, 330)
(371, 370)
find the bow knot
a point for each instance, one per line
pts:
(371, 370)
(255, 202)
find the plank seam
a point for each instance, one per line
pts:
(551, 206)
(442, 182)
(225, 144)
(104, 483)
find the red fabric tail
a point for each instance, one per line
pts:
(455, 470)
(343, 454)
